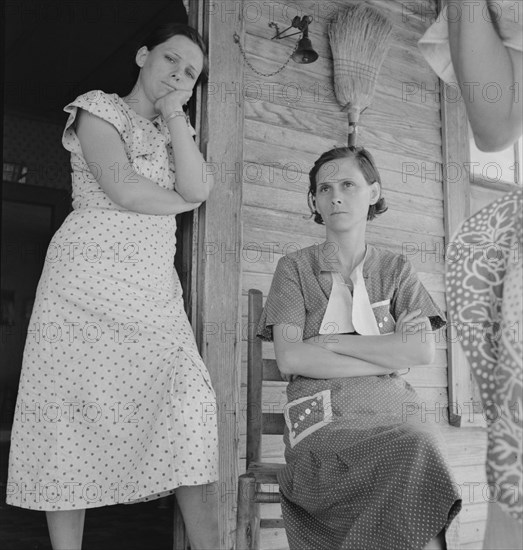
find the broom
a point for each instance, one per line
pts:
(359, 38)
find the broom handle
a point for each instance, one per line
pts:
(353, 135)
(354, 117)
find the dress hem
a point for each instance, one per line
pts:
(190, 481)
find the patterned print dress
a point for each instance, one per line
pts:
(485, 289)
(365, 468)
(484, 279)
(112, 387)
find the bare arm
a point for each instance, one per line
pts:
(407, 347)
(486, 69)
(103, 149)
(295, 357)
(193, 180)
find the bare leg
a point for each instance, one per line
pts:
(437, 543)
(199, 507)
(66, 529)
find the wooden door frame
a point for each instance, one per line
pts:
(456, 208)
(217, 241)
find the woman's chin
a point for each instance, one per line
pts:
(340, 222)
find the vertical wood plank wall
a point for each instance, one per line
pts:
(289, 120)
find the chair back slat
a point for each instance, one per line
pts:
(254, 378)
(258, 370)
(258, 474)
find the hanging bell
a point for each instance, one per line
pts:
(304, 52)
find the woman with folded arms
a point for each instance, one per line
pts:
(365, 467)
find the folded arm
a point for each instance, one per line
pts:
(407, 347)
(295, 357)
(104, 152)
(489, 75)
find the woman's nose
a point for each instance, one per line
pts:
(336, 200)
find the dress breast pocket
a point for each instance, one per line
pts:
(384, 318)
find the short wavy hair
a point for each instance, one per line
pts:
(367, 166)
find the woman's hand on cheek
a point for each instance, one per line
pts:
(173, 101)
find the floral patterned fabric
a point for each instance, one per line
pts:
(484, 285)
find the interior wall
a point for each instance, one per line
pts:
(38, 145)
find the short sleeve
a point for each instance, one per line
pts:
(410, 294)
(100, 104)
(285, 303)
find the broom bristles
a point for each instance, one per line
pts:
(359, 39)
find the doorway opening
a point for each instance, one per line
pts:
(55, 51)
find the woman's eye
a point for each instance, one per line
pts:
(170, 59)
(324, 188)
(347, 183)
(190, 74)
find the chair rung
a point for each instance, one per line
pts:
(265, 472)
(272, 524)
(265, 497)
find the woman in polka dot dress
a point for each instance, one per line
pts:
(112, 384)
(365, 466)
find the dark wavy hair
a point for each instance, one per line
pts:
(368, 168)
(163, 32)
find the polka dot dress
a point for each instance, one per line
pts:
(302, 286)
(373, 476)
(113, 393)
(365, 465)
(484, 285)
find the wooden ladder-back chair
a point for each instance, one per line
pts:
(250, 495)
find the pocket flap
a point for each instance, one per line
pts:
(305, 415)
